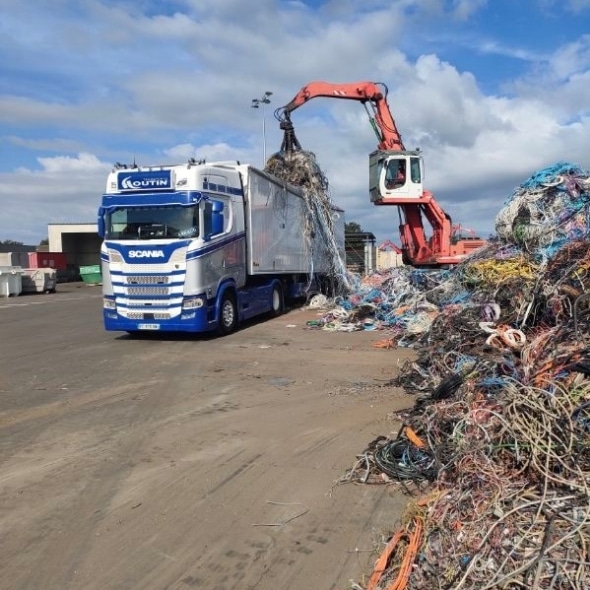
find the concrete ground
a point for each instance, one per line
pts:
(187, 462)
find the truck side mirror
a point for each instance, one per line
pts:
(100, 223)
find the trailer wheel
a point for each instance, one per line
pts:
(228, 314)
(277, 301)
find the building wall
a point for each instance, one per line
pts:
(55, 231)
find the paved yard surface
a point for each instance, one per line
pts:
(187, 462)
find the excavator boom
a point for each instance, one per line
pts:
(372, 94)
(395, 175)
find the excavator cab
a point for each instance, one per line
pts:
(395, 175)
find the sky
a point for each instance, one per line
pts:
(490, 90)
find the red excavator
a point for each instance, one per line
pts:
(395, 176)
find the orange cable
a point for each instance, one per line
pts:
(383, 343)
(403, 575)
(414, 438)
(405, 570)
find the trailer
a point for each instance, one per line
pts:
(201, 247)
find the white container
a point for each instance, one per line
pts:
(14, 259)
(11, 281)
(388, 259)
(39, 280)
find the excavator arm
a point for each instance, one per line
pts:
(414, 203)
(373, 95)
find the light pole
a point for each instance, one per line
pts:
(256, 102)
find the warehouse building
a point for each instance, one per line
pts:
(78, 241)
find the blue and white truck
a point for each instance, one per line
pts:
(200, 247)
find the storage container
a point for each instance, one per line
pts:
(14, 259)
(91, 275)
(39, 280)
(55, 260)
(388, 259)
(11, 283)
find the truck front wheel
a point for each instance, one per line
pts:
(228, 314)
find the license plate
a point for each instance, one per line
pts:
(149, 326)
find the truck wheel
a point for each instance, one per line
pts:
(228, 314)
(277, 302)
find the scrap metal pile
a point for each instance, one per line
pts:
(300, 168)
(496, 449)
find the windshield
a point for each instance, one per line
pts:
(149, 223)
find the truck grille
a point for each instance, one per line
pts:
(147, 291)
(147, 280)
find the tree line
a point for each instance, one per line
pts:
(43, 242)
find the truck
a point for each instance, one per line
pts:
(395, 176)
(202, 247)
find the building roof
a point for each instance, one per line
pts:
(360, 235)
(74, 223)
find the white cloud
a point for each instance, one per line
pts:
(578, 5)
(561, 80)
(463, 9)
(64, 189)
(571, 59)
(210, 153)
(575, 6)
(493, 47)
(45, 144)
(65, 165)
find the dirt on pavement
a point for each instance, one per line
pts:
(183, 462)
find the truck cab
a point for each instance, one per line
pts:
(156, 222)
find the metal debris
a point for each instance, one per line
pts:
(301, 169)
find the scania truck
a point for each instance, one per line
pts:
(201, 247)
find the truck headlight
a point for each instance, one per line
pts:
(115, 257)
(193, 303)
(109, 303)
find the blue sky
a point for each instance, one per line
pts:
(490, 90)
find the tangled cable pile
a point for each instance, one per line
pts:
(549, 208)
(497, 445)
(300, 168)
(393, 299)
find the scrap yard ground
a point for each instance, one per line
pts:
(189, 462)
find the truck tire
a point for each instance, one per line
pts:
(228, 314)
(277, 303)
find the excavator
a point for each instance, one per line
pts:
(395, 176)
